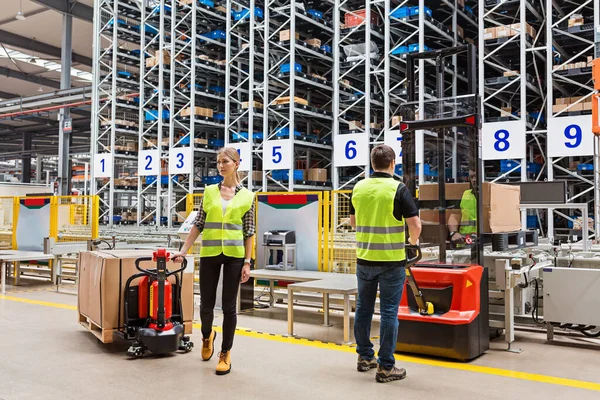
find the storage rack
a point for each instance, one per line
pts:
(115, 116)
(571, 27)
(244, 84)
(299, 58)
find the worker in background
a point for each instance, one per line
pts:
(468, 220)
(380, 208)
(226, 221)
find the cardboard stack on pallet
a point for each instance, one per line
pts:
(101, 289)
(498, 32)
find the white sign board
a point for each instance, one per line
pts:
(180, 161)
(245, 153)
(149, 163)
(570, 136)
(277, 154)
(394, 140)
(103, 165)
(504, 140)
(351, 150)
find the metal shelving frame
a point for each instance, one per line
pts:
(571, 44)
(283, 15)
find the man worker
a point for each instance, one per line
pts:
(380, 208)
(468, 220)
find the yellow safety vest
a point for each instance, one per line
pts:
(224, 233)
(379, 235)
(468, 208)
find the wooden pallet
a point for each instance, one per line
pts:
(104, 335)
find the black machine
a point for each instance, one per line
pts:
(446, 313)
(153, 309)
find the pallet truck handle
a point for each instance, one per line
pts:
(417, 257)
(425, 307)
(153, 273)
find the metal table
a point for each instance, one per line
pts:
(345, 286)
(292, 276)
(17, 256)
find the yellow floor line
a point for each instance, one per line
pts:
(350, 349)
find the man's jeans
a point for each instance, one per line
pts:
(391, 283)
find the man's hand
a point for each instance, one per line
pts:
(413, 241)
(177, 257)
(245, 272)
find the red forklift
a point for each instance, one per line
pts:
(444, 307)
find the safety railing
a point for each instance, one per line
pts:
(6, 222)
(76, 218)
(340, 243)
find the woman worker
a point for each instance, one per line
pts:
(226, 221)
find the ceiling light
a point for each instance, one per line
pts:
(40, 89)
(20, 16)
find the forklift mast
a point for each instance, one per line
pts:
(445, 120)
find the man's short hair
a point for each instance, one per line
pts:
(382, 156)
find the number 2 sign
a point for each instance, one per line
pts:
(570, 136)
(503, 140)
(149, 163)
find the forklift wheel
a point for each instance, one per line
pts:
(135, 352)
(186, 346)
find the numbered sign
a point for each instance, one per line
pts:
(149, 163)
(277, 154)
(504, 140)
(394, 140)
(180, 161)
(570, 136)
(103, 165)
(351, 150)
(245, 153)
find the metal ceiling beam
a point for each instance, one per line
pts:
(10, 73)
(11, 39)
(77, 10)
(6, 95)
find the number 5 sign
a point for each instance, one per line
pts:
(504, 140)
(351, 150)
(570, 136)
(277, 154)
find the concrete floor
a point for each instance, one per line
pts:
(46, 354)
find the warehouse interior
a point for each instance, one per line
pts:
(112, 116)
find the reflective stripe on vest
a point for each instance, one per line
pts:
(468, 208)
(379, 235)
(224, 233)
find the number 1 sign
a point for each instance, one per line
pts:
(504, 140)
(570, 136)
(103, 165)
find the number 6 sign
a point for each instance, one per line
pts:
(570, 136)
(351, 150)
(504, 140)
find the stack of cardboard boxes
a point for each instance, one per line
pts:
(498, 32)
(562, 103)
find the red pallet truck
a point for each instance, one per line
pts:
(153, 309)
(444, 307)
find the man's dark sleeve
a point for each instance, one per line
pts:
(404, 204)
(352, 210)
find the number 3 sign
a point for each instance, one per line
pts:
(180, 161)
(504, 140)
(570, 136)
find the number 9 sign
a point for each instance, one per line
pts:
(180, 161)
(503, 140)
(570, 136)
(351, 150)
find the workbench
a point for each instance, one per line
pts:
(313, 281)
(17, 256)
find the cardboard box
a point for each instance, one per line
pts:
(501, 212)
(432, 216)
(562, 100)
(246, 104)
(355, 125)
(506, 112)
(101, 286)
(316, 174)
(558, 108)
(314, 42)
(203, 112)
(511, 73)
(396, 120)
(576, 20)
(285, 35)
(490, 33)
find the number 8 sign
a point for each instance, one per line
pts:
(570, 136)
(503, 140)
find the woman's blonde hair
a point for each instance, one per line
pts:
(233, 155)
